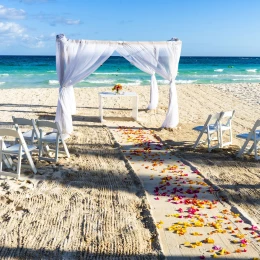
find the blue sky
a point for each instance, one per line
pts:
(206, 27)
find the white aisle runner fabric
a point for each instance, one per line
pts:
(191, 220)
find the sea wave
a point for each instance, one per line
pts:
(102, 81)
(185, 81)
(136, 83)
(53, 82)
(243, 75)
(250, 79)
(163, 81)
(4, 75)
(1, 83)
(219, 70)
(251, 70)
(51, 71)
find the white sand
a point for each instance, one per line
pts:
(93, 152)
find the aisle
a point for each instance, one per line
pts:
(192, 222)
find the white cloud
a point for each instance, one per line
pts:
(11, 13)
(12, 33)
(11, 30)
(72, 22)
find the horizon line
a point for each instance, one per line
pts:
(212, 56)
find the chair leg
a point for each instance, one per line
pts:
(241, 151)
(66, 149)
(255, 147)
(57, 152)
(19, 162)
(28, 155)
(1, 159)
(31, 163)
(209, 139)
(198, 139)
(220, 138)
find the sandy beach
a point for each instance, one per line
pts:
(93, 204)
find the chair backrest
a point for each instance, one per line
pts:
(256, 125)
(31, 122)
(22, 121)
(14, 133)
(226, 117)
(44, 123)
(214, 119)
(9, 132)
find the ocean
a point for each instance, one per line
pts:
(40, 72)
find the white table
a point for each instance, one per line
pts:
(103, 95)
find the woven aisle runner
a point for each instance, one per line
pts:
(192, 221)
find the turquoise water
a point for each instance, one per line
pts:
(40, 72)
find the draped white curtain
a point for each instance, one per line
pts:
(75, 60)
(167, 67)
(145, 58)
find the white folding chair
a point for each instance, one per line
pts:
(32, 135)
(225, 124)
(19, 149)
(54, 138)
(210, 128)
(253, 135)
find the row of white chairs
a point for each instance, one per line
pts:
(217, 124)
(34, 140)
(214, 128)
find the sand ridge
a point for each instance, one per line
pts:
(93, 152)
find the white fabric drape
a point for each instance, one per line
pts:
(160, 58)
(75, 60)
(145, 58)
(168, 60)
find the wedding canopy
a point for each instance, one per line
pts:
(77, 59)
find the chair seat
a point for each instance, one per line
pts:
(50, 138)
(212, 128)
(14, 149)
(245, 135)
(28, 135)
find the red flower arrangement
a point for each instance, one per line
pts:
(117, 88)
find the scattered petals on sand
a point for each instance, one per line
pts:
(217, 247)
(209, 240)
(191, 199)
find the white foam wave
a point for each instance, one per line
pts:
(163, 81)
(52, 71)
(99, 81)
(246, 79)
(28, 75)
(251, 70)
(136, 83)
(4, 75)
(219, 70)
(53, 82)
(243, 76)
(185, 81)
(1, 83)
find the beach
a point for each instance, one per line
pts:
(95, 199)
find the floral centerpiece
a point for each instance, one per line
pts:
(117, 88)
